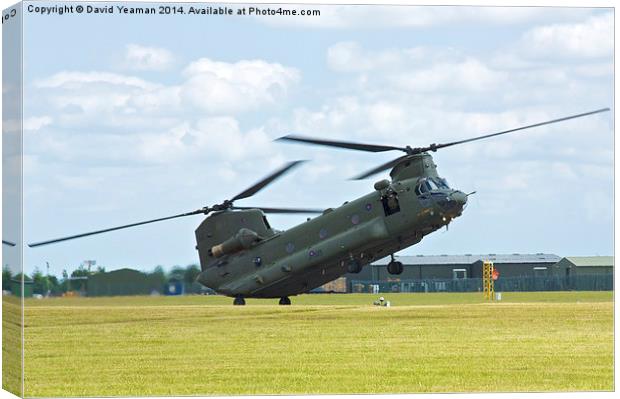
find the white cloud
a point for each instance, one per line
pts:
(144, 58)
(349, 56)
(133, 121)
(156, 100)
(37, 122)
(595, 70)
(587, 39)
(220, 87)
(468, 75)
(219, 139)
(443, 77)
(98, 98)
(73, 79)
(417, 70)
(91, 99)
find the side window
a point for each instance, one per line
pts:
(422, 188)
(390, 203)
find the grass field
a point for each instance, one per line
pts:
(136, 346)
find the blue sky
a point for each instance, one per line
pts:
(131, 118)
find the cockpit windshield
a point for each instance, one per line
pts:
(430, 184)
(441, 182)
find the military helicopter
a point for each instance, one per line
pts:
(242, 256)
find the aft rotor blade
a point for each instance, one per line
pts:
(38, 244)
(435, 147)
(341, 144)
(9, 243)
(267, 180)
(279, 210)
(381, 168)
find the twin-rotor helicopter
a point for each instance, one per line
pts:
(242, 256)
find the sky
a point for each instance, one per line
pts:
(128, 118)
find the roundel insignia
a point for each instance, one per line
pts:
(368, 206)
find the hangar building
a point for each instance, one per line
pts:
(122, 282)
(421, 267)
(581, 265)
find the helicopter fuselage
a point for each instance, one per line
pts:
(396, 215)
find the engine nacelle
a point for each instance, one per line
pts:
(240, 241)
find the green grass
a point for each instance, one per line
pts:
(136, 346)
(331, 300)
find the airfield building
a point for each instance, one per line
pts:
(519, 272)
(122, 282)
(436, 273)
(582, 265)
(421, 267)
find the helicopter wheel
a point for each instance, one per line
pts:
(284, 301)
(395, 267)
(239, 301)
(353, 266)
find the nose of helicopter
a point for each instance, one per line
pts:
(453, 203)
(460, 199)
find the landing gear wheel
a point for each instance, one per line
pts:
(353, 266)
(284, 301)
(239, 301)
(395, 267)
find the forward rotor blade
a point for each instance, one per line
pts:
(267, 180)
(9, 243)
(341, 144)
(381, 168)
(279, 210)
(38, 244)
(435, 147)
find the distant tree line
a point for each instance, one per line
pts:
(43, 284)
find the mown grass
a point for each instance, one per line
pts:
(397, 299)
(136, 346)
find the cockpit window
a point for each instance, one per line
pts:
(421, 188)
(441, 182)
(431, 184)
